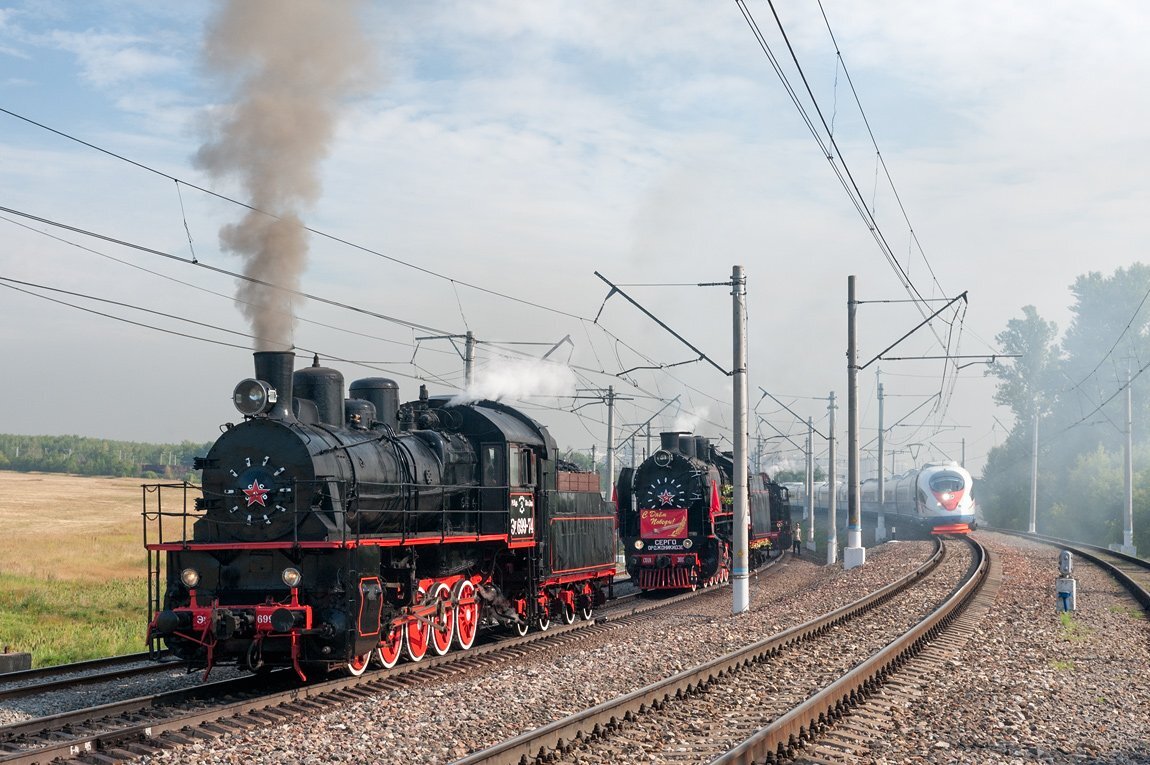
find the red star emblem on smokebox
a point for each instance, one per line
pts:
(665, 497)
(256, 494)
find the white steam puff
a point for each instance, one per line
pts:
(686, 423)
(517, 379)
(288, 65)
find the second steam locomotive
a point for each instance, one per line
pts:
(676, 521)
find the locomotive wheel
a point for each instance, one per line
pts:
(358, 664)
(416, 634)
(567, 613)
(466, 613)
(442, 628)
(521, 628)
(585, 612)
(543, 623)
(389, 649)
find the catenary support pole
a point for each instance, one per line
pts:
(469, 359)
(880, 525)
(854, 554)
(740, 585)
(1128, 526)
(1034, 473)
(810, 484)
(832, 489)
(610, 441)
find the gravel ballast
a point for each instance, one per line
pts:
(1029, 687)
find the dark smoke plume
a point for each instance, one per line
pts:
(288, 66)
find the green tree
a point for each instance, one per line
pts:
(1027, 384)
(1029, 380)
(798, 476)
(579, 459)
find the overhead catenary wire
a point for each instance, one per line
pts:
(309, 229)
(217, 269)
(455, 282)
(425, 375)
(844, 175)
(205, 290)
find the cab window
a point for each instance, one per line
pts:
(521, 465)
(493, 465)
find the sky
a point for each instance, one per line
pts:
(482, 161)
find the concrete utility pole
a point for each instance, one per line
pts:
(832, 490)
(740, 585)
(469, 359)
(595, 464)
(880, 526)
(1034, 473)
(610, 439)
(1128, 527)
(855, 554)
(810, 484)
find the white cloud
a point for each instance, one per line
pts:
(109, 60)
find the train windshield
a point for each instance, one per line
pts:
(947, 482)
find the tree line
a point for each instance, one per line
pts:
(97, 456)
(1071, 386)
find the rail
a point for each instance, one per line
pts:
(558, 734)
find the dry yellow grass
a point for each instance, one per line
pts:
(68, 527)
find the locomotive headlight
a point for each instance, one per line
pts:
(291, 577)
(253, 397)
(688, 544)
(638, 544)
(190, 577)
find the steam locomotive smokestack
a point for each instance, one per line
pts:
(687, 445)
(287, 67)
(275, 368)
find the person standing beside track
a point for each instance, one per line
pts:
(796, 540)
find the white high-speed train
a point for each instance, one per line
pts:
(936, 496)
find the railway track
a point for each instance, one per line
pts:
(849, 739)
(132, 728)
(770, 699)
(28, 682)
(1132, 572)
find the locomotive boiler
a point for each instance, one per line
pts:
(676, 519)
(334, 532)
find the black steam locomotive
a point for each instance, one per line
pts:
(336, 532)
(676, 517)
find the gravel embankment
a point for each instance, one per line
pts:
(1029, 688)
(448, 719)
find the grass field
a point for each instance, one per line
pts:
(73, 569)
